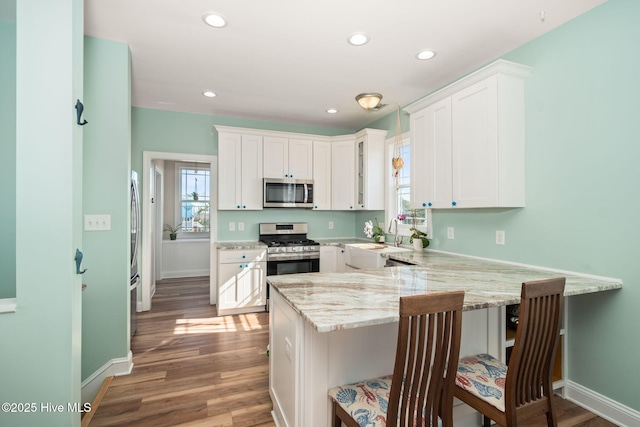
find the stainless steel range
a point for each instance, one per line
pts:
(288, 248)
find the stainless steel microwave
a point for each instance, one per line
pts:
(288, 193)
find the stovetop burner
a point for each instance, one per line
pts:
(288, 239)
(297, 242)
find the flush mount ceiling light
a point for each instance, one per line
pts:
(370, 101)
(214, 19)
(332, 111)
(425, 54)
(209, 94)
(358, 39)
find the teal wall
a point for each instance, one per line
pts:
(41, 341)
(582, 204)
(106, 177)
(8, 159)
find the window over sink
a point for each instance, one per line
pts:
(399, 192)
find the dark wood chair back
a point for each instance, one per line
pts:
(427, 353)
(529, 376)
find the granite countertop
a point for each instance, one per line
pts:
(228, 245)
(335, 301)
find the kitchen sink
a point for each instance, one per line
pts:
(369, 255)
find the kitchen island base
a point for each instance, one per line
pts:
(305, 363)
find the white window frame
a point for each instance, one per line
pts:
(390, 193)
(178, 198)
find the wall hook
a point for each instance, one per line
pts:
(79, 110)
(78, 260)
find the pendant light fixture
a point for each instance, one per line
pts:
(397, 162)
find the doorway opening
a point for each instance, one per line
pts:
(154, 196)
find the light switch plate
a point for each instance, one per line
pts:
(500, 237)
(232, 226)
(97, 222)
(241, 226)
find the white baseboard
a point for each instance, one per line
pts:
(173, 274)
(603, 406)
(115, 367)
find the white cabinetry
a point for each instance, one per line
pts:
(370, 169)
(468, 141)
(239, 171)
(321, 175)
(343, 174)
(357, 171)
(288, 158)
(241, 284)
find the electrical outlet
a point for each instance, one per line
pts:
(330, 225)
(241, 226)
(450, 234)
(232, 226)
(500, 237)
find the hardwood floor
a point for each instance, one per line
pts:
(192, 368)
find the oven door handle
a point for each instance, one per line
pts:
(293, 257)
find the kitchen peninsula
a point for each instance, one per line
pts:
(335, 328)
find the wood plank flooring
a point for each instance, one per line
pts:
(192, 368)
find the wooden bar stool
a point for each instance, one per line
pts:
(523, 389)
(420, 391)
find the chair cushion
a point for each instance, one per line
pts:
(366, 401)
(483, 376)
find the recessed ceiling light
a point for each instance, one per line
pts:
(358, 39)
(215, 20)
(425, 54)
(209, 94)
(332, 111)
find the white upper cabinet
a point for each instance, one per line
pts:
(239, 171)
(288, 158)
(343, 172)
(321, 175)
(467, 141)
(370, 169)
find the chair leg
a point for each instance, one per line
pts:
(552, 419)
(337, 422)
(486, 421)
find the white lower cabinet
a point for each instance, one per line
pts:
(242, 282)
(332, 259)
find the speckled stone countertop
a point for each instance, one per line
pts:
(335, 301)
(254, 244)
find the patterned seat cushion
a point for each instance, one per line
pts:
(483, 376)
(367, 401)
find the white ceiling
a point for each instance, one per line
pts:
(289, 60)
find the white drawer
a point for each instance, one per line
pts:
(242, 255)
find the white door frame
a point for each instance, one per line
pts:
(147, 176)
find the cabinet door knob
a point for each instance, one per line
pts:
(244, 256)
(238, 206)
(240, 266)
(246, 265)
(453, 203)
(424, 204)
(430, 203)
(244, 206)
(350, 207)
(286, 175)
(315, 207)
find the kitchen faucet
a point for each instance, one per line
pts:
(396, 241)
